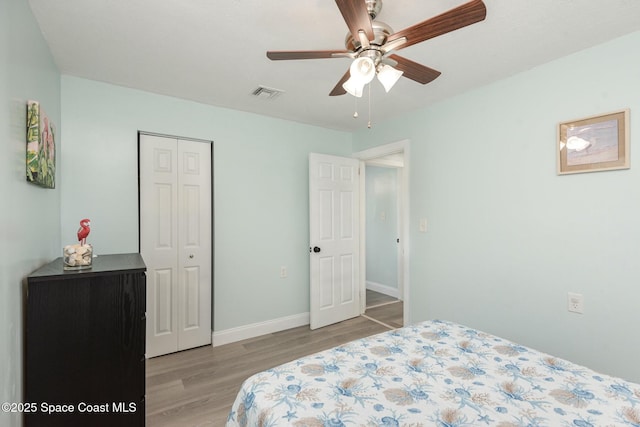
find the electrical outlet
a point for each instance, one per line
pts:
(283, 272)
(575, 303)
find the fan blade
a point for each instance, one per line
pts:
(278, 55)
(459, 17)
(357, 17)
(339, 90)
(414, 71)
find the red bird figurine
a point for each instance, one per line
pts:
(83, 231)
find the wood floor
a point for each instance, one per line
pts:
(375, 299)
(196, 388)
(385, 309)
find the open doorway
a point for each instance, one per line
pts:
(384, 235)
(382, 240)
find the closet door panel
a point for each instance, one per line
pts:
(159, 241)
(194, 255)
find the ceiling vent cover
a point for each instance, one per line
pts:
(264, 92)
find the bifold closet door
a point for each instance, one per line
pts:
(175, 241)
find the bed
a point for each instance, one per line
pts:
(434, 373)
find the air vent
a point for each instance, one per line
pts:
(264, 92)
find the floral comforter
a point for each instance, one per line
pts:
(434, 373)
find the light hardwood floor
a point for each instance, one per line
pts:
(196, 388)
(376, 298)
(385, 309)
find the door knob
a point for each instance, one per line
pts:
(316, 249)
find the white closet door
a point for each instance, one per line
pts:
(175, 242)
(159, 240)
(194, 235)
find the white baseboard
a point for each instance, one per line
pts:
(383, 289)
(256, 329)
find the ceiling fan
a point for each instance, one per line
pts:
(371, 44)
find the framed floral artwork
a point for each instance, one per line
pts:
(41, 147)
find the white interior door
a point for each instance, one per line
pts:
(159, 240)
(334, 239)
(194, 237)
(175, 242)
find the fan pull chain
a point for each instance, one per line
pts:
(355, 113)
(369, 123)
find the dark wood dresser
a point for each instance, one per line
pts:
(85, 344)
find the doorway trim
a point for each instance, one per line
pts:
(402, 146)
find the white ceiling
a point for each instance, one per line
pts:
(213, 51)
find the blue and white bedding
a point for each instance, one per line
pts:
(434, 373)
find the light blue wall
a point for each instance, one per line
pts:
(30, 215)
(508, 238)
(382, 225)
(260, 189)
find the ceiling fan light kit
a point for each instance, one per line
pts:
(372, 44)
(388, 76)
(362, 71)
